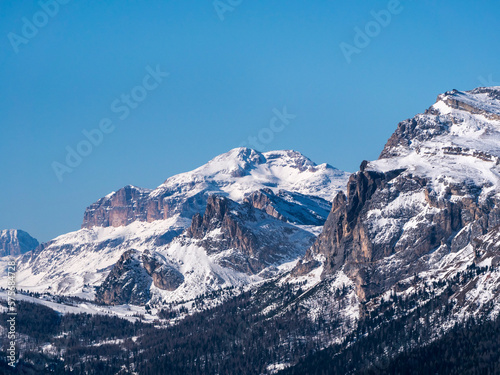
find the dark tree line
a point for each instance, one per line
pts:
(238, 337)
(471, 349)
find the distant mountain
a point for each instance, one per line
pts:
(235, 175)
(230, 245)
(241, 218)
(15, 242)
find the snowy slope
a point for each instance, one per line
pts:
(75, 263)
(242, 171)
(72, 264)
(456, 140)
(128, 312)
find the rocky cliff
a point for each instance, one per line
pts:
(245, 238)
(128, 282)
(435, 188)
(131, 277)
(291, 207)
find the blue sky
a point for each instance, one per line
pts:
(226, 80)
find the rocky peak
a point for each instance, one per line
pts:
(483, 101)
(227, 216)
(469, 115)
(128, 282)
(235, 174)
(130, 279)
(117, 209)
(344, 238)
(16, 242)
(237, 162)
(265, 200)
(433, 190)
(245, 238)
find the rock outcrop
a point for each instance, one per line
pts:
(130, 279)
(118, 209)
(164, 276)
(247, 238)
(128, 282)
(291, 207)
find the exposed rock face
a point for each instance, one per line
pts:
(291, 207)
(164, 276)
(265, 200)
(256, 239)
(128, 282)
(117, 209)
(487, 250)
(167, 237)
(167, 278)
(131, 204)
(459, 100)
(435, 123)
(131, 277)
(426, 192)
(235, 174)
(16, 242)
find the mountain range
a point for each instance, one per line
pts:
(270, 263)
(241, 218)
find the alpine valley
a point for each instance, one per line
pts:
(264, 263)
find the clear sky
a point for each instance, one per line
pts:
(231, 69)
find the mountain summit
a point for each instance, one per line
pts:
(235, 174)
(433, 192)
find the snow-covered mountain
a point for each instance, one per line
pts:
(235, 174)
(422, 220)
(239, 219)
(15, 242)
